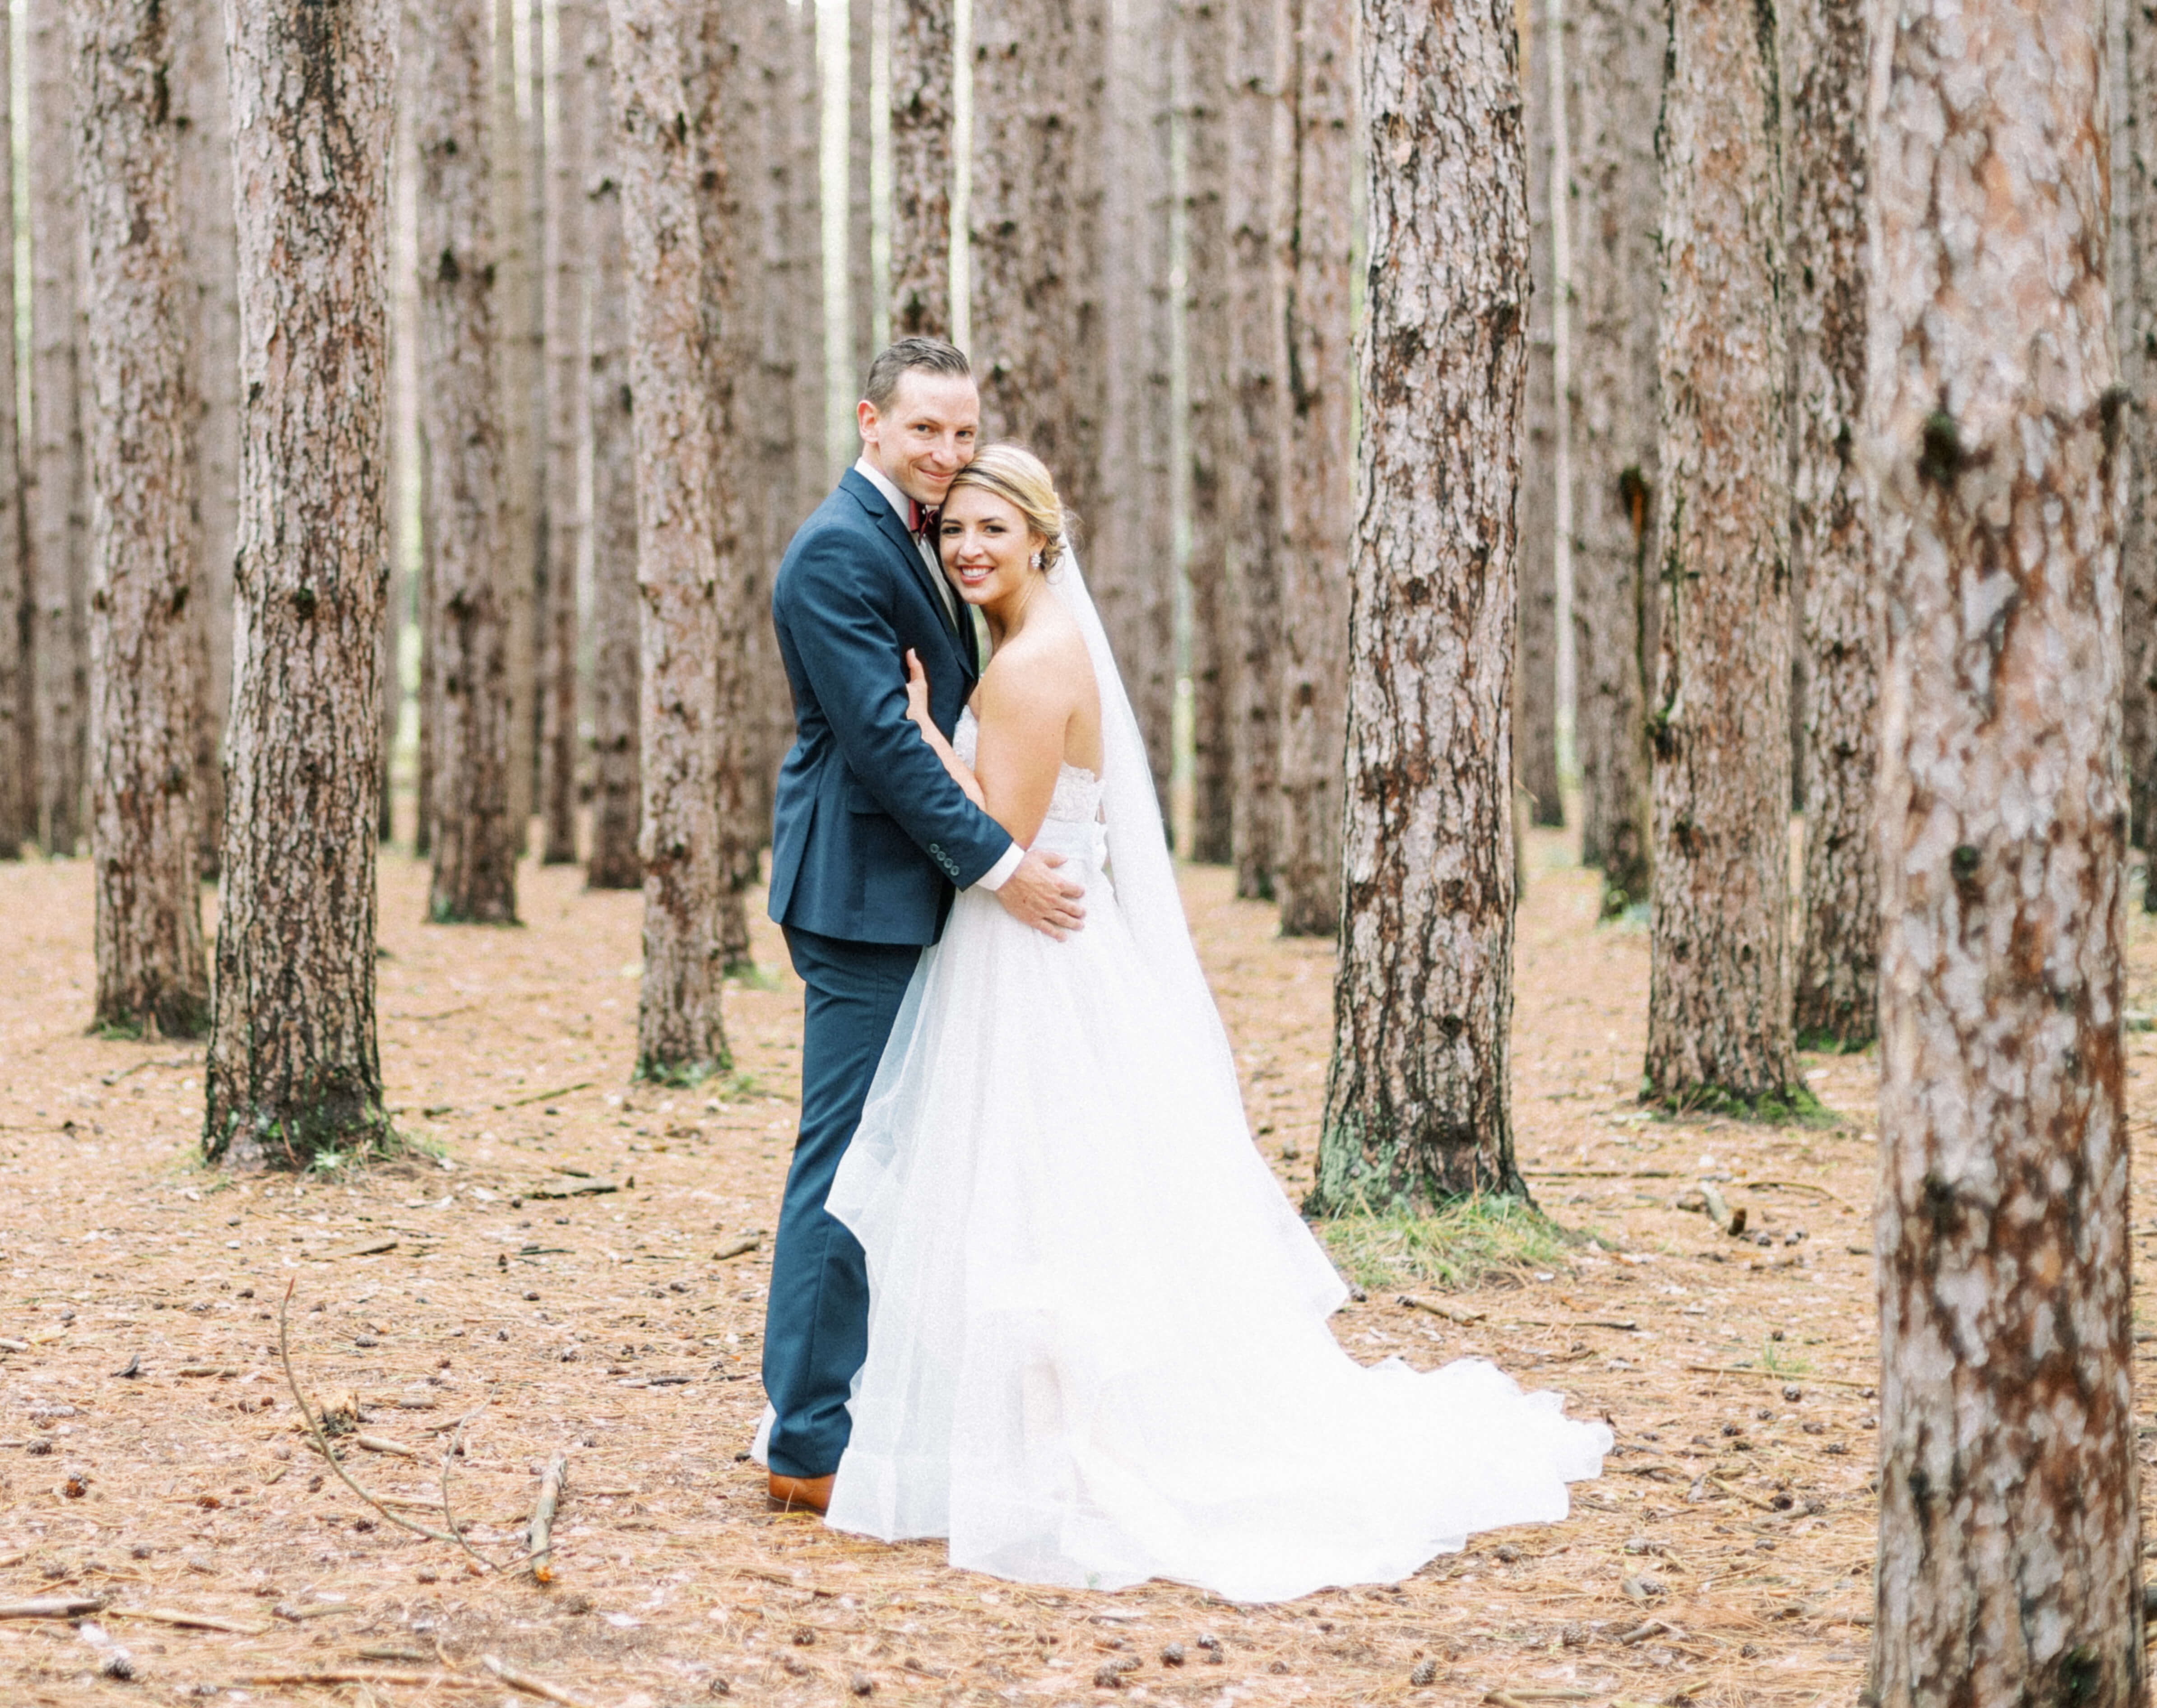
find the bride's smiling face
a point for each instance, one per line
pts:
(987, 547)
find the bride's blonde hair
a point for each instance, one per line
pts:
(1022, 480)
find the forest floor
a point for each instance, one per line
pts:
(1724, 1558)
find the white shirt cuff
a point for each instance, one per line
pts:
(998, 875)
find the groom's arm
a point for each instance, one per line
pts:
(842, 631)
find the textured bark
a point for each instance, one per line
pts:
(19, 705)
(1535, 682)
(2135, 296)
(461, 291)
(407, 488)
(1825, 70)
(813, 475)
(1616, 91)
(1317, 482)
(57, 561)
(1257, 122)
(1203, 32)
(860, 282)
(1416, 1105)
(145, 663)
(516, 578)
(680, 1033)
(2009, 1534)
(568, 267)
(921, 168)
(211, 306)
(293, 1068)
(1718, 997)
(430, 683)
(616, 789)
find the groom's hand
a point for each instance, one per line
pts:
(1034, 895)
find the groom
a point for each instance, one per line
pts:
(870, 837)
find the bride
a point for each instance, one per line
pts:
(1098, 1344)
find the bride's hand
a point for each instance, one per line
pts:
(917, 690)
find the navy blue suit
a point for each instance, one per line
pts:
(870, 836)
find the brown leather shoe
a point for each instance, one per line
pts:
(800, 1494)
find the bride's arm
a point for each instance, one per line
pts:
(916, 709)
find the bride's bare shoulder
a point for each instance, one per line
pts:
(1045, 665)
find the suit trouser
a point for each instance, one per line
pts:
(816, 1325)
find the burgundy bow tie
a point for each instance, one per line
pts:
(924, 519)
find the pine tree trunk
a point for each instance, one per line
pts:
(1719, 1000)
(461, 343)
(568, 267)
(145, 677)
(57, 563)
(1617, 93)
(18, 702)
(1417, 1104)
(616, 788)
(861, 282)
(680, 1033)
(921, 168)
(1202, 32)
(293, 1068)
(1535, 683)
(211, 310)
(2134, 294)
(431, 697)
(407, 455)
(2008, 1531)
(1257, 124)
(516, 580)
(1317, 482)
(814, 474)
(1825, 69)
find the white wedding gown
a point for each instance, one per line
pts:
(1098, 1343)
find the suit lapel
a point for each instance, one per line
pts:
(895, 534)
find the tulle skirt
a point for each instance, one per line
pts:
(1098, 1342)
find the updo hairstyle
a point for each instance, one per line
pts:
(1022, 480)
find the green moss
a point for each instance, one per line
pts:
(1457, 1246)
(682, 1076)
(1793, 1106)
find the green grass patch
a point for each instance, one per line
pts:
(750, 976)
(1465, 1242)
(1794, 1106)
(682, 1076)
(1778, 1360)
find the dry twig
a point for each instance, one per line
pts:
(530, 1685)
(540, 1538)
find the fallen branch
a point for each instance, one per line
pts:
(119, 1074)
(1799, 1186)
(188, 1622)
(353, 1675)
(1730, 1222)
(1514, 1699)
(379, 1444)
(1451, 1313)
(1744, 1494)
(1604, 1174)
(1772, 1375)
(530, 1685)
(51, 1607)
(737, 1246)
(1642, 1632)
(540, 1538)
(518, 1102)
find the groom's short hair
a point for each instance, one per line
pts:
(911, 355)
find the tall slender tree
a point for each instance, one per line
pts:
(145, 663)
(2008, 1528)
(921, 115)
(293, 1068)
(1202, 36)
(59, 564)
(1257, 126)
(1824, 70)
(568, 267)
(1718, 1002)
(617, 789)
(861, 79)
(461, 287)
(1416, 1106)
(2135, 298)
(657, 60)
(1317, 480)
(517, 374)
(18, 703)
(814, 473)
(1616, 91)
(1535, 683)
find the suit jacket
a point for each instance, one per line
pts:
(869, 832)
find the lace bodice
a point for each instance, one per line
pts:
(1078, 797)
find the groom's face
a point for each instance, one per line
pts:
(925, 435)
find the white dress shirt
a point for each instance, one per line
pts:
(996, 876)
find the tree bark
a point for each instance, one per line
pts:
(861, 217)
(568, 267)
(211, 309)
(813, 475)
(1202, 31)
(2008, 1530)
(517, 581)
(1535, 683)
(1416, 1106)
(18, 700)
(1317, 482)
(1257, 124)
(2134, 294)
(1617, 90)
(58, 563)
(680, 1034)
(616, 789)
(462, 292)
(1825, 69)
(921, 168)
(293, 1068)
(1719, 1000)
(145, 680)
